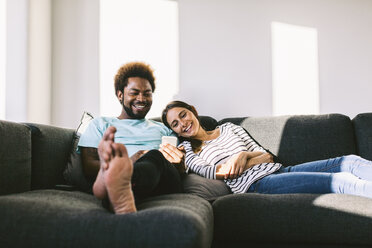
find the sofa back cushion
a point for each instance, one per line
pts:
(51, 148)
(363, 134)
(15, 158)
(301, 138)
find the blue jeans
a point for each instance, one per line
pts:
(349, 174)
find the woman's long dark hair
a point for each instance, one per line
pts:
(195, 144)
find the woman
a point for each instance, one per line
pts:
(229, 153)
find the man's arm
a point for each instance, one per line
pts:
(90, 160)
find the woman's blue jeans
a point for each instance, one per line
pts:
(349, 174)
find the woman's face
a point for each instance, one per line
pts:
(183, 122)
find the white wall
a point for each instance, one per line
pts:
(152, 38)
(39, 61)
(75, 60)
(16, 60)
(2, 57)
(225, 53)
(225, 56)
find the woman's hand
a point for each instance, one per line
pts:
(174, 155)
(223, 171)
(237, 164)
(240, 162)
(234, 167)
(263, 158)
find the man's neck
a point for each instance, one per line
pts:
(125, 116)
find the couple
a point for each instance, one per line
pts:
(123, 156)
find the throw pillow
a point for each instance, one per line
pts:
(73, 173)
(205, 188)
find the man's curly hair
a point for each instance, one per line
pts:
(133, 69)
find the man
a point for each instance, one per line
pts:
(120, 152)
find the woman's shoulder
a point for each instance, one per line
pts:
(228, 125)
(187, 145)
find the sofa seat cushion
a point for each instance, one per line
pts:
(52, 218)
(293, 219)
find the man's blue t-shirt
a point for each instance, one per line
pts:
(136, 135)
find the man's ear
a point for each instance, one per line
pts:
(120, 96)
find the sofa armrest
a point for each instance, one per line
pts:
(51, 148)
(363, 134)
(15, 158)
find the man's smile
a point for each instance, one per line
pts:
(140, 106)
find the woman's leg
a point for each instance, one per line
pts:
(312, 182)
(353, 164)
(154, 175)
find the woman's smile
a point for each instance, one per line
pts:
(188, 128)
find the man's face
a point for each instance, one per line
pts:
(137, 98)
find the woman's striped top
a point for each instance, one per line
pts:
(232, 140)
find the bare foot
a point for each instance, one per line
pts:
(105, 152)
(99, 188)
(117, 179)
(105, 149)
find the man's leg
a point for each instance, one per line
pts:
(154, 175)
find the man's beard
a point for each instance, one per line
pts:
(130, 113)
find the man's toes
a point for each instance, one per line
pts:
(120, 150)
(109, 133)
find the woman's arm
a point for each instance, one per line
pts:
(197, 164)
(261, 159)
(237, 164)
(250, 143)
(201, 167)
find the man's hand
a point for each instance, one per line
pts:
(137, 155)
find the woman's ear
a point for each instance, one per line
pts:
(194, 111)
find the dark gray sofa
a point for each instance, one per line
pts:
(300, 220)
(37, 213)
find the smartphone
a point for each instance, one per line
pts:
(169, 140)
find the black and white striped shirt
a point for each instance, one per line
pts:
(232, 140)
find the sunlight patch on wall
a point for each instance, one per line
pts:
(2, 57)
(139, 30)
(295, 75)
